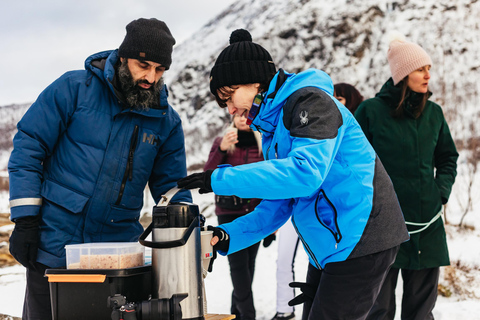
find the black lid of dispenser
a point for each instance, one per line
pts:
(178, 215)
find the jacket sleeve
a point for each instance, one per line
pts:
(313, 149)
(35, 140)
(249, 229)
(170, 166)
(216, 157)
(446, 156)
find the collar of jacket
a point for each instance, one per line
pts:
(281, 87)
(103, 65)
(391, 95)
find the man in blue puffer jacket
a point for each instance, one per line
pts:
(85, 151)
(320, 172)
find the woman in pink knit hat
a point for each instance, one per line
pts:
(412, 139)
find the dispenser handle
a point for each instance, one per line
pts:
(165, 199)
(172, 243)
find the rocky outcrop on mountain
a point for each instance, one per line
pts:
(347, 38)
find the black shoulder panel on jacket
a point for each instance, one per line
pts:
(311, 113)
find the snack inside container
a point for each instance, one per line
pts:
(105, 255)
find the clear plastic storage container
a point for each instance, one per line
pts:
(105, 255)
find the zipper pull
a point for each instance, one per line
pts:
(336, 245)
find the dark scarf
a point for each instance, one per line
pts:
(246, 139)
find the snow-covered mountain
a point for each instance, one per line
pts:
(9, 116)
(346, 38)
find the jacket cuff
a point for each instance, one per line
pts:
(23, 211)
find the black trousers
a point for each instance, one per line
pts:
(242, 269)
(419, 295)
(37, 305)
(347, 290)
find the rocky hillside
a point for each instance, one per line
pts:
(348, 39)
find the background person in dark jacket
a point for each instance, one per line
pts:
(239, 145)
(85, 151)
(412, 139)
(348, 95)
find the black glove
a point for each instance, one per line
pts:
(224, 239)
(197, 180)
(308, 292)
(221, 245)
(24, 240)
(268, 240)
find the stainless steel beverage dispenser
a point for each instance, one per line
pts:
(176, 254)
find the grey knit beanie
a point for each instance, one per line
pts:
(148, 39)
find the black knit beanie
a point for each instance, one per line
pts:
(148, 39)
(242, 62)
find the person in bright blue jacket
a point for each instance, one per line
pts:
(320, 172)
(86, 149)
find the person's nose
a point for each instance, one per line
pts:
(231, 109)
(427, 74)
(150, 75)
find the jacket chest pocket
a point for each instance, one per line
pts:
(142, 150)
(327, 216)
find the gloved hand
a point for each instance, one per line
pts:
(24, 240)
(197, 180)
(222, 244)
(223, 239)
(268, 240)
(308, 292)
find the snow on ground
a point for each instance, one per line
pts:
(4, 201)
(463, 304)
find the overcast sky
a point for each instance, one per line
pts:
(40, 40)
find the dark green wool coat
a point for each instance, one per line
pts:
(421, 159)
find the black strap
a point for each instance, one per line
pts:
(168, 244)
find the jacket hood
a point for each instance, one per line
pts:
(281, 87)
(102, 64)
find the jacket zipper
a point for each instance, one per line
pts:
(336, 235)
(129, 169)
(307, 247)
(276, 151)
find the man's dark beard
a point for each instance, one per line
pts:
(136, 97)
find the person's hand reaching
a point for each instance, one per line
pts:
(197, 180)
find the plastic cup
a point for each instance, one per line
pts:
(232, 129)
(207, 249)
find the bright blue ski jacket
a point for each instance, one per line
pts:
(320, 171)
(82, 163)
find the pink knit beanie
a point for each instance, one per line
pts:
(405, 57)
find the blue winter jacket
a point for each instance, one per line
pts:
(320, 171)
(82, 163)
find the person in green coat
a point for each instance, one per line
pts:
(413, 141)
